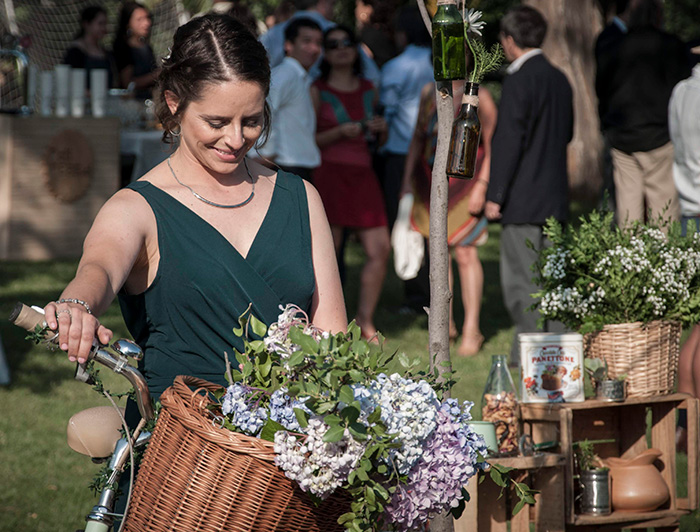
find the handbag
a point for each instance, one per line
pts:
(408, 244)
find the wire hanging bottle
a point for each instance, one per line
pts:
(449, 57)
(499, 405)
(466, 131)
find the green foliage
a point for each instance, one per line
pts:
(323, 371)
(500, 475)
(598, 273)
(486, 61)
(585, 454)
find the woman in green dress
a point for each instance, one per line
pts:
(195, 241)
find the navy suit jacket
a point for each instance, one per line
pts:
(528, 162)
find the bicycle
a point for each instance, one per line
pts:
(115, 357)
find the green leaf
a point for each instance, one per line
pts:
(403, 360)
(350, 413)
(360, 347)
(332, 420)
(269, 429)
(334, 434)
(346, 395)
(346, 517)
(358, 430)
(369, 496)
(518, 507)
(303, 340)
(302, 417)
(265, 366)
(296, 359)
(357, 375)
(257, 326)
(375, 416)
(497, 477)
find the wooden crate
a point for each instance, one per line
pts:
(628, 425)
(37, 155)
(486, 512)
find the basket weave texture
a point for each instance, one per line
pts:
(196, 477)
(646, 353)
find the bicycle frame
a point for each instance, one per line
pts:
(101, 517)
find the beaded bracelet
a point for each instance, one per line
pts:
(483, 181)
(76, 301)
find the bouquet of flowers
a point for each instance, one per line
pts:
(598, 274)
(338, 421)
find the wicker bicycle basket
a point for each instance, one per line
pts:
(646, 353)
(197, 477)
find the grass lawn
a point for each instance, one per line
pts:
(43, 483)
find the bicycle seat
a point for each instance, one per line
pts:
(95, 431)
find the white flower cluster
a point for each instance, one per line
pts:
(317, 466)
(277, 339)
(555, 267)
(570, 300)
(409, 409)
(248, 419)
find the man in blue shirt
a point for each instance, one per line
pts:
(320, 11)
(403, 78)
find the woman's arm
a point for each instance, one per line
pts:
(335, 134)
(487, 116)
(114, 243)
(328, 305)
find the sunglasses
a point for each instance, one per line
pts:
(334, 44)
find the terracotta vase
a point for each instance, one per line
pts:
(637, 485)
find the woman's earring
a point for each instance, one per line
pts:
(176, 132)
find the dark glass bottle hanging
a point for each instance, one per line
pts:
(466, 130)
(448, 42)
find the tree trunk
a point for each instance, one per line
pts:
(439, 315)
(571, 34)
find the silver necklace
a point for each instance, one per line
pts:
(212, 203)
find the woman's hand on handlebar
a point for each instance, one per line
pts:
(76, 328)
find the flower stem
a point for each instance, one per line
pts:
(474, 57)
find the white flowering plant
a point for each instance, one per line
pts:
(401, 450)
(597, 273)
(484, 60)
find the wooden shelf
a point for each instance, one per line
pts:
(630, 427)
(536, 461)
(627, 517)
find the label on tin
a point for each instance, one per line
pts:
(552, 367)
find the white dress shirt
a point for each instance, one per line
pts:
(292, 139)
(684, 126)
(520, 61)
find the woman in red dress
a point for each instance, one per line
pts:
(348, 186)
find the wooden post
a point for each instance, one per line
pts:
(439, 315)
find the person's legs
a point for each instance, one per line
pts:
(629, 187)
(471, 276)
(659, 187)
(516, 279)
(375, 241)
(689, 364)
(391, 184)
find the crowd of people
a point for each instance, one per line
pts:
(352, 112)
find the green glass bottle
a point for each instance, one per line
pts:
(448, 42)
(466, 130)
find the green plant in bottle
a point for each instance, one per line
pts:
(448, 42)
(466, 128)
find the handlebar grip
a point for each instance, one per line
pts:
(26, 317)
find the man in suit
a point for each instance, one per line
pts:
(528, 181)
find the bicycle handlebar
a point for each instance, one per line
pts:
(28, 318)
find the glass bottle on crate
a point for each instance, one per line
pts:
(499, 405)
(466, 131)
(449, 53)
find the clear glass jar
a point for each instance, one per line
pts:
(499, 405)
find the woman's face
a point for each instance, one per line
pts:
(97, 27)
(140, 23)
(221, 126)
(339, 49)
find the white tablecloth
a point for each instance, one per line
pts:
(148, 148)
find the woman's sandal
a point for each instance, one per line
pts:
(471, 345)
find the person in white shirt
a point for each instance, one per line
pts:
(684, 127)
(292, 143)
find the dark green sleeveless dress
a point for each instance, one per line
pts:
(184, 321)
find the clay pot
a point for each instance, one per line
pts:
(637, 486)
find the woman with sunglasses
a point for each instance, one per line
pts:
(344, 104)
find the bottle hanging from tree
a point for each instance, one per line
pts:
(464, 141)
(448, 42)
